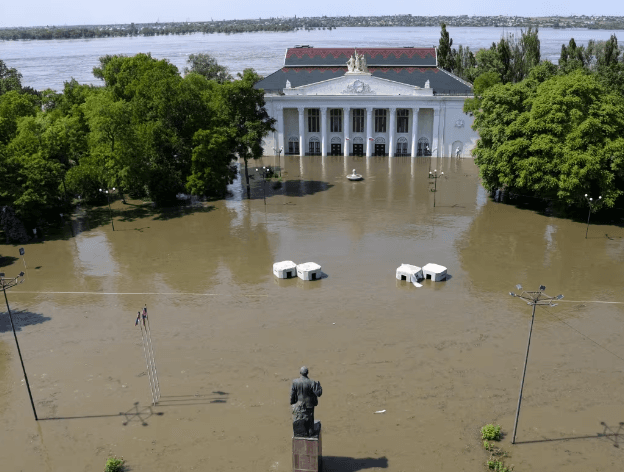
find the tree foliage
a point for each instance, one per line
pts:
(552, 136)
(148, 131)
(206, 65)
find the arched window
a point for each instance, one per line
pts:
(315, 146)
(358, 140)
(401, 147)
(423, 147)
(336, 140)
(380, 140)
(293, 145)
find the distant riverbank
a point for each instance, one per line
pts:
(48, 64)
(303, 23)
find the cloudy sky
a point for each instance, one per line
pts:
(77, 12)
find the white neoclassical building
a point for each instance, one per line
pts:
(368, 101)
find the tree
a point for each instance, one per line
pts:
(481, 84)
(553, 136)
(241, 106)
(10, 79)
(445, 54)
(206, 65)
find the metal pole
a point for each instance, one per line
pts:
(264, 185)
(110, 212)
(32, 403)
(149, 370)
(588, 215)
(513, 439)
(151, 347)
(435, 188)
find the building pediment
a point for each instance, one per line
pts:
(358, 84)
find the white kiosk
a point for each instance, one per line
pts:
(285, 269)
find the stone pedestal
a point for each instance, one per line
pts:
(307, 452)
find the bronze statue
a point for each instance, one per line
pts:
(304, 394)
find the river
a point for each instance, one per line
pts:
(441, 360)
(48, 64)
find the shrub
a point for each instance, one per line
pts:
(114, 465)
(491, 433)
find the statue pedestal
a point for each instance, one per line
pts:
(307, 452)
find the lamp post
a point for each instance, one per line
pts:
(590, 202)
(434, 175)
(279, 162)
(534, 299)
(263, 182)
(8, 283)
(110, 211)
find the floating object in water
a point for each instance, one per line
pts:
(354, 176)
(410, 273)
(434, 272)
(285, 269)
(309, 271)
(380, 411)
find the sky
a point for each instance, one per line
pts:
(81, 12)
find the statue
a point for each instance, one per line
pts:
(363, 67)
(357, 63)
(427, 84)
(351, 64)
(288, 84)
(304, 394)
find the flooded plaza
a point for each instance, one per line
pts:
(442, 360)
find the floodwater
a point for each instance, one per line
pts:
(442, 360)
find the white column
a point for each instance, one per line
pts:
(301, 132)
(369, 131)
(391, 134)
(279, 115)
(436, 132)
(346, 127)
(323, 131)
(414, 131)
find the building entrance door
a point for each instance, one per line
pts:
(335, 150)
(358, 149)
(315, 148)
(380, 149)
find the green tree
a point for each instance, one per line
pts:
(481, 84)
(445, 53)
(552, 136)
(241, 106)
(206, 65)
(10, 79)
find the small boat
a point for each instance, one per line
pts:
(354, 176)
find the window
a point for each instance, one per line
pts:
(293, 145)
(380, 121)
(358, 120)
(401, 147)
(402, 119)
(315, 146)
(335, 120)
(313, 120)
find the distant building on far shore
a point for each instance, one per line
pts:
(367, 101)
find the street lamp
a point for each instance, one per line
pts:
(279, 162)
(8, 283)
(434, 175)
(109, 207)
(591, 203)
(532, 298)
(263, 182)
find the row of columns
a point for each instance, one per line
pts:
(369, 130)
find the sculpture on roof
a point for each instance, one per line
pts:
(288, 84)
(427, 84)
(357, 63)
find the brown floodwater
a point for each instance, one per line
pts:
(442, 360)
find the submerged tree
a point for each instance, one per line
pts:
(206, 65)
